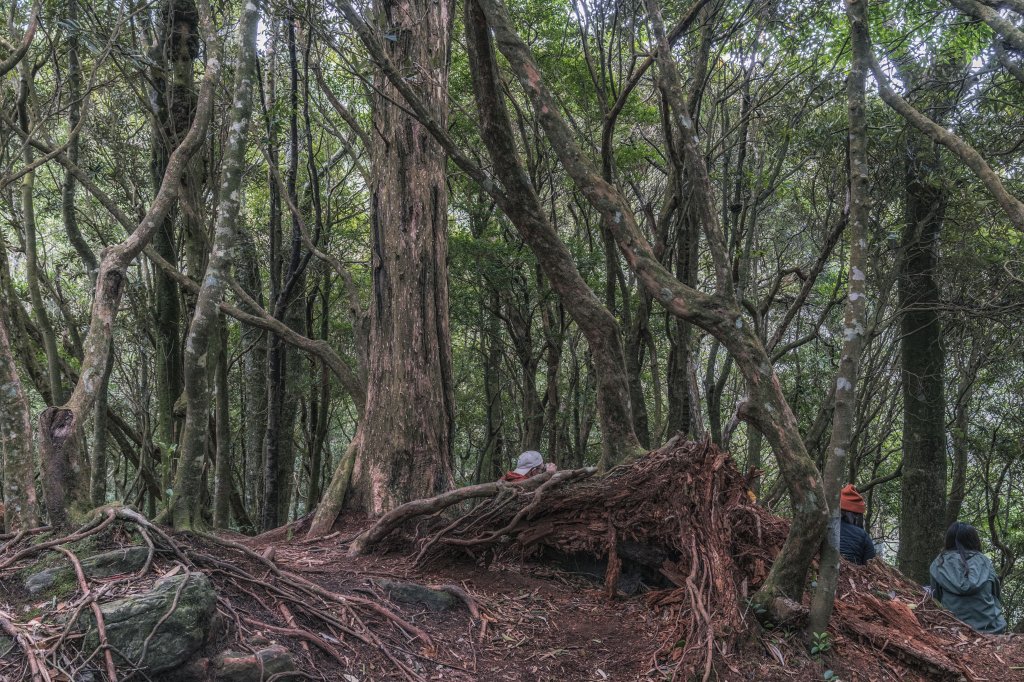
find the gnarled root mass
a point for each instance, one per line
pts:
(681, 517)
(253, 594)
(669, 516)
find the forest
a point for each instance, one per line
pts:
(285, 266)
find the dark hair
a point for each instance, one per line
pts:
(852, 518)
(963, 537)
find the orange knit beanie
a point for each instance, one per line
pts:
(850, 500)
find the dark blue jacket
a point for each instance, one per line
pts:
(855, 544)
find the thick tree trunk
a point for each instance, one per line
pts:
(844, 414)
(923, 484)
(409, 412)
(188, 487)
(21, 509)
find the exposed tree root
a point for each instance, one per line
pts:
(680, 516)
(253, 595)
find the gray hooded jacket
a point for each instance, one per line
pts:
(972, 594)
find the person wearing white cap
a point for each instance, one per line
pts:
(530, 464)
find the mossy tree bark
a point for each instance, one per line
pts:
(186, 509)
(844, 413)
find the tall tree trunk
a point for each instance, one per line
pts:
(98, 468)
(321, 405)
(635, 350)
(188, 487)
(222, 464)
(28, 218)
(254, 368)
(923, 484)
(844, 414)
(173, 77)
(279, 453)
(407, 452)
(21, 510)
(492, 458)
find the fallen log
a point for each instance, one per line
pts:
(432, 505)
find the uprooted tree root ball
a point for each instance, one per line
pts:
(681, 518)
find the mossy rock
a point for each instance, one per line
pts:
(412, 593)
(178, 630)
(60, 580)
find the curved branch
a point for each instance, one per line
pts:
(969, 155)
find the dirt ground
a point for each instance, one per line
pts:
(541, 623)
(518, 617)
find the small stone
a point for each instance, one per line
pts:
(411, 593)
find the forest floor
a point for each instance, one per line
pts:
(514, 617)
(543, 623)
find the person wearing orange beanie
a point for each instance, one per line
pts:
(854, 542)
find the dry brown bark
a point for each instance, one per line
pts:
(407, 429)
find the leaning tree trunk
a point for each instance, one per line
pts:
(844, 413)
(597, 323)
(409, 413)
(186, 511)
(21, 510)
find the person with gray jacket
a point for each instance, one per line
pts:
(965, 582)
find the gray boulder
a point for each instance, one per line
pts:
(177, 633)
